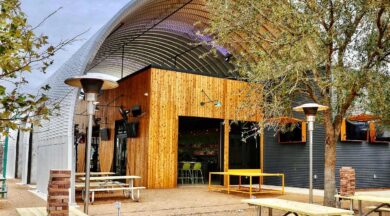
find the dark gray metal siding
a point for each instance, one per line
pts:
(292, 159)
(367, 159)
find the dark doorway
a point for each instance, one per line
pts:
(30, 150)
(17, 154)
(201, 140)
(244, 147)
(120, 148)
(95, 166)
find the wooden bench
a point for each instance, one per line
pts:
(248, 173)
(129, 190)
(81, 185)
(384, 201)
(41, 211)
(295, 208)
(379, 210)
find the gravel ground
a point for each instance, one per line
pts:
(187, 200)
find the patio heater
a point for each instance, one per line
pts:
(310, 110)
(91, 84)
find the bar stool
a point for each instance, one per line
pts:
(185, 173)
(197, 172)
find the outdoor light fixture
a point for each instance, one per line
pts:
(310, 110)
(123, 112)
(91, 84)
(228, 57)
(216, 103)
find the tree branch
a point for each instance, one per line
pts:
(348, 38)
(46, 18)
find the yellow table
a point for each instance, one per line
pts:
(249, 173)
(296, 208)
(41, 211)
(383, 200)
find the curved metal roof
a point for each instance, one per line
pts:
(163, 33)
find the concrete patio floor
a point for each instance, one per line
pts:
(185, 200)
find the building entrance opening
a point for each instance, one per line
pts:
(244, 148)
(200, 149)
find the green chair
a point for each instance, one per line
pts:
(185, 173)
(197, 172)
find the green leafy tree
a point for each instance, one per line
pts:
(21, 52)
(331, 52)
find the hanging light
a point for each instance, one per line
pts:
(216, 103)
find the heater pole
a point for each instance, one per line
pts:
(310, 120)
(91, 97)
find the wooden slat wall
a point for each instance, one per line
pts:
(176, 94)
(108, 116)
(106, 152)
(81, 117)
(82, 120)
(153, 154)
(133, 90)
(80, 157)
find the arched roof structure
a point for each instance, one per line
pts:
(144, 32)
(162, 33)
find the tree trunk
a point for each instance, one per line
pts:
(330, 163)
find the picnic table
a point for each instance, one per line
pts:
(41, 211)
(383, 200)
(249, 173)
(293, 207)
(106, 185)
(81, 174)
(96, 184)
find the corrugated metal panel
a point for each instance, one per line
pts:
(292, 159)
(11, 153)
(367, 159)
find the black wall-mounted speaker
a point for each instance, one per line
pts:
(136, 110)
(105, 134)
(132, 129)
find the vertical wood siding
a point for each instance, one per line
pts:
(153, 154)
(176, 94)
(132, 90)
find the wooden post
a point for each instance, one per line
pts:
(226, 151)
(261, 152)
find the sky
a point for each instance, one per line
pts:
(75, 17)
